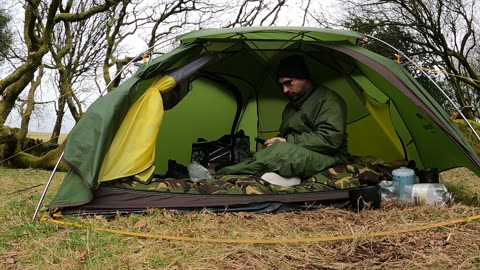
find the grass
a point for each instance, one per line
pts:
(41, 245)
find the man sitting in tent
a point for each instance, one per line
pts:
(312, 134)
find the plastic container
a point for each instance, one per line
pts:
(386, 191)
(431, 194)
(402, 177)
(198, 172)
(423, 193)
(406, 194)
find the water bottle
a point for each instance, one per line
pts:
(386, 189)
(402, 177)
(425, 193)
(431, 194)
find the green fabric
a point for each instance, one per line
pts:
(314, 127)
(287, 159)
(89, 140)
(318, 123)
(185, 123)
(421, 129)
(174, 59)
(72, 192)
(273, 33)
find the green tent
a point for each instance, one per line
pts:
(222, 81)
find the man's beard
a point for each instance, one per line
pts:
(293, 96)
(296, 96)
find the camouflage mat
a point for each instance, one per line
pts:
(339, 177)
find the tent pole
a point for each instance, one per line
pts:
(46, 186)
(457, 108)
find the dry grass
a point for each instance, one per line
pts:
(464, 184)
(41, 245)
(436, 248)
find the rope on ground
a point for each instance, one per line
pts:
(24, 189)
(264, 241)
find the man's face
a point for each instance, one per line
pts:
(294, 88)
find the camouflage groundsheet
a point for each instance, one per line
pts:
(339, 177)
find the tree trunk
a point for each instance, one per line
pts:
(464, 107)
(15, 83)
(59, 120)
(27, 113)
(69, 96)
(10, 95)
(47, 161)
(8, 142)
(11, 157)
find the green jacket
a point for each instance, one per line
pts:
(314, 127)
(317, 122)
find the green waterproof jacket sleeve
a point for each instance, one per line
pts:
(317, 122)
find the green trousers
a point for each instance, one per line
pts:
(286, 159)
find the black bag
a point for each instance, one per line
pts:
(176, 170)
(228, 150)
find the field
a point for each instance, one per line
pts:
(295, 240)
(44, 136)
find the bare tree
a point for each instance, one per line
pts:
(38, 34)
(5, 34)
(27, 107)
(122, 17)
(447, 32)
(39, 27)
(251, 12)
(76, 49)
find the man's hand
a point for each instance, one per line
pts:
(272, 140)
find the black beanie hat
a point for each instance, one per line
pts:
(293, 67)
